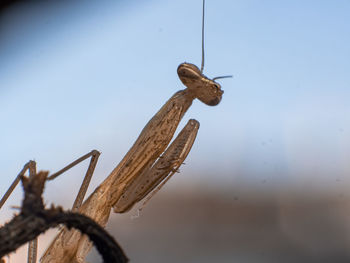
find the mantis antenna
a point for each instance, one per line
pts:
(202, 66)
(223, 77)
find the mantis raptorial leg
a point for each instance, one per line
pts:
(162, 169)
(149, 163)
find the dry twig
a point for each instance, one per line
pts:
(34, 219)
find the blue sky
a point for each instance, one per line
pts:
(87, 75)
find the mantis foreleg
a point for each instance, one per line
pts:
(167, 164)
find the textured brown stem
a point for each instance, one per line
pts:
(34, 219)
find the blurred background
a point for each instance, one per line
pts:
(267, 179)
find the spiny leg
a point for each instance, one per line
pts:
(175, 163)
(151, 179)
(172, 159)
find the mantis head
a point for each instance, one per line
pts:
(204, 89)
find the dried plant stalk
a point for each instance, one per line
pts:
(34, 219)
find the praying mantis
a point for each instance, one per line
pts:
(146, 167)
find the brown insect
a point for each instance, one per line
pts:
(146, 167)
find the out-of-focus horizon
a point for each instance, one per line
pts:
(83, 75)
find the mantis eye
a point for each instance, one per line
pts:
(188, 73)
